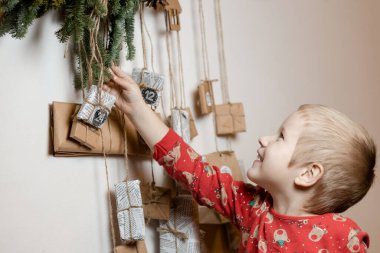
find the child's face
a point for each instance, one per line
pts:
(270, 170)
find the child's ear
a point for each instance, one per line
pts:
(309, 175)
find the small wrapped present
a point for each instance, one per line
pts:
(151, 85)
(181, 123)
(226, 161)
(193, 127)
(83, 133)
(130, 214)
(205, 97)
(138, 247)
(215, 239)
(230, 118)
(156, 201)
(96, 107)
(180, 233)
(209, 216)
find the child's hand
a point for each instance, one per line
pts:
(128, 93)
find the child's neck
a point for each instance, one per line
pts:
(293, 206)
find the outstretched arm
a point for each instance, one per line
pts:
(130, 101)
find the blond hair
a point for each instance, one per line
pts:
(344, 149)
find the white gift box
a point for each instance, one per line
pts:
(130, 214)
(180, 233)
(151, 85)
(96, 108)
(181, 123)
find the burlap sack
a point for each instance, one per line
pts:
(229, 118)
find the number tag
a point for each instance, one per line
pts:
(150, 95)
(100, 115)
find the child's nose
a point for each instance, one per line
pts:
(263, 141)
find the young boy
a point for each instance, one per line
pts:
(319, 164)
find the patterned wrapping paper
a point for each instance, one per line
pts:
(181, 123)
(151, 85)
(93, 111)
(180, 233)
(130, 214)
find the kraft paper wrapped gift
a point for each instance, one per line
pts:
(96, 107)
(229, 118)
(193, 127)
(130, 214)
(215, 239)
(138, 247)
(227, 163)
(83, 133)
(113, 136)
(180, 233)
(156, 201)
(209, 216)
(205, 97)
(181, 123)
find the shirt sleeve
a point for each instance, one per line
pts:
(207, 184)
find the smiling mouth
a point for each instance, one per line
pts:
(259, 157)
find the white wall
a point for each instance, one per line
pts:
(280, 54)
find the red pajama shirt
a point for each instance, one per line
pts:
(250, 208)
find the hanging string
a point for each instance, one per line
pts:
(180, 72)
(110, 209)
(206, 68)
(173, 90)
(222, 57)
(142, 34)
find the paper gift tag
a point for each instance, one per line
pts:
(151, 85)
(181, 123)
(138, 247)
(205, 98)
(130, 214)
(156, 201)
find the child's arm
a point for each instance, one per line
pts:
(208, 185)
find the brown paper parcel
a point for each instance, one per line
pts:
(193, 127)
(112, 131)
(227, 163)
(205, 97)
(138, 247)
(156, 201)
(230, 118)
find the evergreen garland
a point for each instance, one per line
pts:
(94, 29)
